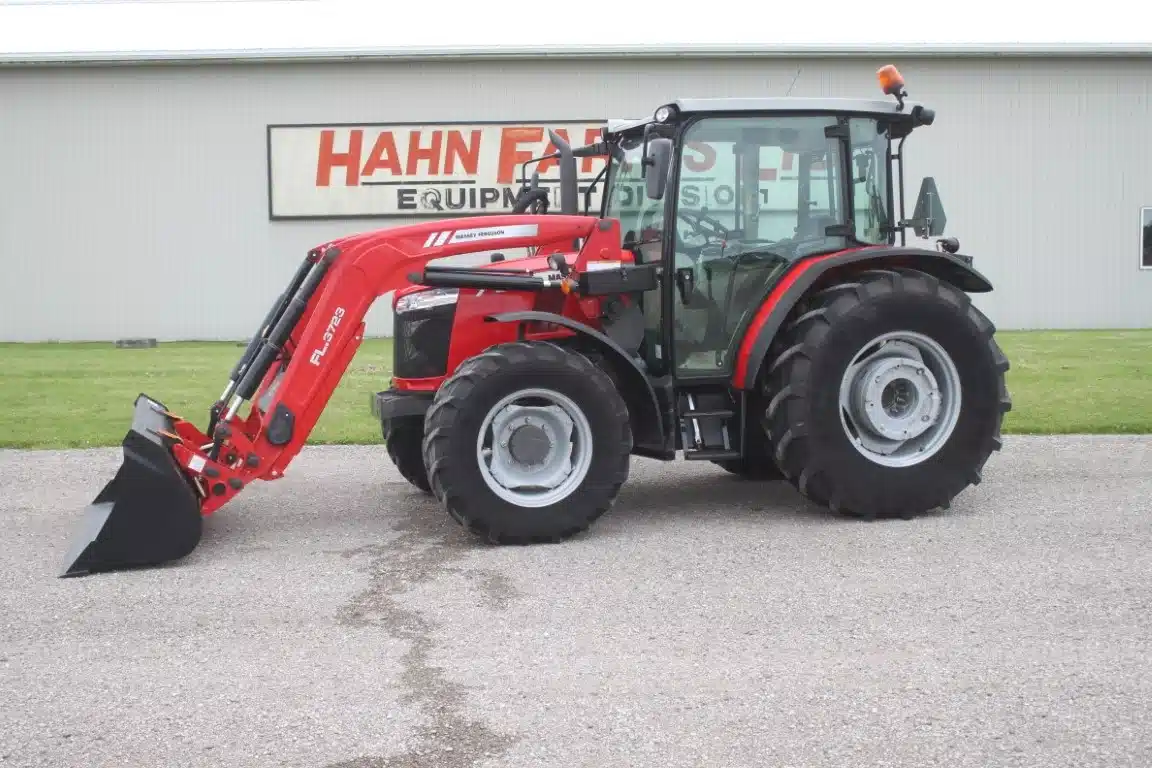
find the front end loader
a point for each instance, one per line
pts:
(745, 296)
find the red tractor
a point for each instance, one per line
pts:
(759, 315)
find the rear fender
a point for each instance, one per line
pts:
(634, 383)
(804, 275)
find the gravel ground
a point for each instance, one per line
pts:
(339, 618)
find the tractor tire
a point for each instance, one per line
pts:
(837, 433)
(566, 395)
(404, 444)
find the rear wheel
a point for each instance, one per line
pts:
(404, 448)
(888, 395)
(527, 442)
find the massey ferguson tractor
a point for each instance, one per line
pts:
(744, 296)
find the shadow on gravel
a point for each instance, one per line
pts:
(722, 497)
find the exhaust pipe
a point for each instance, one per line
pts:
(569, 189)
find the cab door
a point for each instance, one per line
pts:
(749, 191)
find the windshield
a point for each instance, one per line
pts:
(768, 180)
(626, 198)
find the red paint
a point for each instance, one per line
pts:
(768, 307)
(330, 330)
(329, 158)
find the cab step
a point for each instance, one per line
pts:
(709, 414)
(705, 426)
(710, 454)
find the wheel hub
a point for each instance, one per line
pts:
(897, 398)
(534, 455)
(529, 444)
(900, 399)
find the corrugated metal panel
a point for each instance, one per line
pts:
(133, 201)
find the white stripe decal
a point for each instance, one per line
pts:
(495, 233)
(431, 238)
(442, 239)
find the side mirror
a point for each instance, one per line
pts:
(658, 160)
(928, 217)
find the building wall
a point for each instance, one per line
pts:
(133, 200)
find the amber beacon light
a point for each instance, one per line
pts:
(892, 82)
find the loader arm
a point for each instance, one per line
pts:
(174, 473)
(293, 373)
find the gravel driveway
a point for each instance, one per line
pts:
(338, 618)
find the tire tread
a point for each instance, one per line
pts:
(787, 378)
(451, 399)
(404, 445)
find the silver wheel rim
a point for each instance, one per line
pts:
(900, 399)
(534, 453)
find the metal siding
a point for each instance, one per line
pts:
(133, 200)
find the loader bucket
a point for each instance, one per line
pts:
(148, 514)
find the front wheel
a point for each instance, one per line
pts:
(403, 443)
(527, 442)
(888, 395)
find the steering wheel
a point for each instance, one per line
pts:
(697, 220)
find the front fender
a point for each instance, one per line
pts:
(804, 273)
(636, 387)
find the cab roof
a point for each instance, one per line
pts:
(775, 104)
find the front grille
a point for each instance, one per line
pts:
(422, 338)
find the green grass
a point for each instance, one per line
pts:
(1079, 382)
(80, 395)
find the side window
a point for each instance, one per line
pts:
(869, 181)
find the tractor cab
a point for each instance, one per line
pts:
(724, 195)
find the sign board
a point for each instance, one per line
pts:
(442, 170)
(416, 170)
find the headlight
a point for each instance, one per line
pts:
(426, 299)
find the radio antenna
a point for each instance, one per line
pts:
(794, 79)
